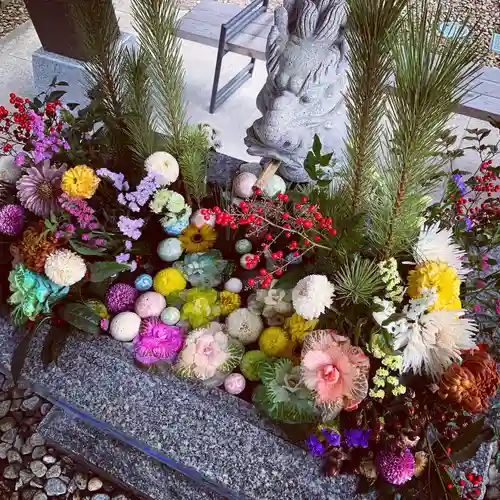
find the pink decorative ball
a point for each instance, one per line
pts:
(150, 304)
(198, 219)
(235, 383)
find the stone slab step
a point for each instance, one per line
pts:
(130, 467)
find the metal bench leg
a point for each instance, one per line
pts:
(220, 54)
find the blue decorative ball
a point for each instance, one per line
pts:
(143, 282)
(170, 249)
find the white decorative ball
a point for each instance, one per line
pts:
(274, 186)
(246, 261)
(234, 285)
(150, 304)
(125, 326)
(199, 220)
(170, 315)
(235, 383)
(243, 184)
(170, 249)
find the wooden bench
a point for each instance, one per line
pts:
(244, 31)
(231, 29)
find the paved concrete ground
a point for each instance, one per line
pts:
(232, 118)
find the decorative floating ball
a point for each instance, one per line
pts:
(170, 315)
(150, 304)
(248, 261)
(176, 227)
(243, 184)
(234, 285)
(243, 246)
(125, 326)
(198, 219)
(234, 383)
(143, 282)
(274, 186)
(170, 249)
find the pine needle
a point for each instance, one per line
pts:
(156, 24)
(368, 37)
(431, 77)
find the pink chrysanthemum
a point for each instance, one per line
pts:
(11, 219)
(39, 188)
(335, 370)
(121, 298)
(396, 467)
(157, 341)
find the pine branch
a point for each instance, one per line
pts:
(140, 122)
(431, 76)
(156, 24)
(369, 27)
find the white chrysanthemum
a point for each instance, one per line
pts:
(435, 243)
(65, 268)
(9, 171)
(312, 295)
(433, 342)
(164, 166)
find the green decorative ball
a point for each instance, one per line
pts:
(170, 315)
(248, 365)
(243, 246)
(170, 249)
(274, 186)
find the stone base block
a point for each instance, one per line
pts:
(47, 65)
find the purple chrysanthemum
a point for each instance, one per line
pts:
(121, 298)
(396, 467)
(315, 446)
(11, 219)
(157, 341)
(39, 189)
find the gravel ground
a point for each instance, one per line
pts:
(12, 14)
(29, 468)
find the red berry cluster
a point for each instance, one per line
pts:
(273, 222)
(469, 489)
(16, 125)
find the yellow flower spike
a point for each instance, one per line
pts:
(440, 276)
(229, 302)
(195, 239)
(80, 182)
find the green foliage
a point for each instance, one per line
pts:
(371, 23)
(431, 76)
(156, 24)
(99, 271)
(81, 316)
(193, 162)
(315, 162)
(139, 111)
(281, 396)
(236, 351)
(358, 281)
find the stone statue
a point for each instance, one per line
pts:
(303, 92)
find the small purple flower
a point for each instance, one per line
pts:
(85, 237)
(396, 467)
(357, 438)
(19, 159)
(315, 446)
(99, 242)
(468, 224)
(134, 207)
(332, 437)
(128, 244)
(133, 265)
(11, 219)
(130, 227)
(122, 258)
(457, 179)
(104, 324)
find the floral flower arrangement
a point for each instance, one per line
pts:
(352, 308)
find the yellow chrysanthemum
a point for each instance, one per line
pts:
(273, 341)
(297, 327)
(229, 302)
(440, 276)
(80, 181)
(195, 239)
(168, 281)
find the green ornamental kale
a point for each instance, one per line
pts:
(32, 294)
(281, 395)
